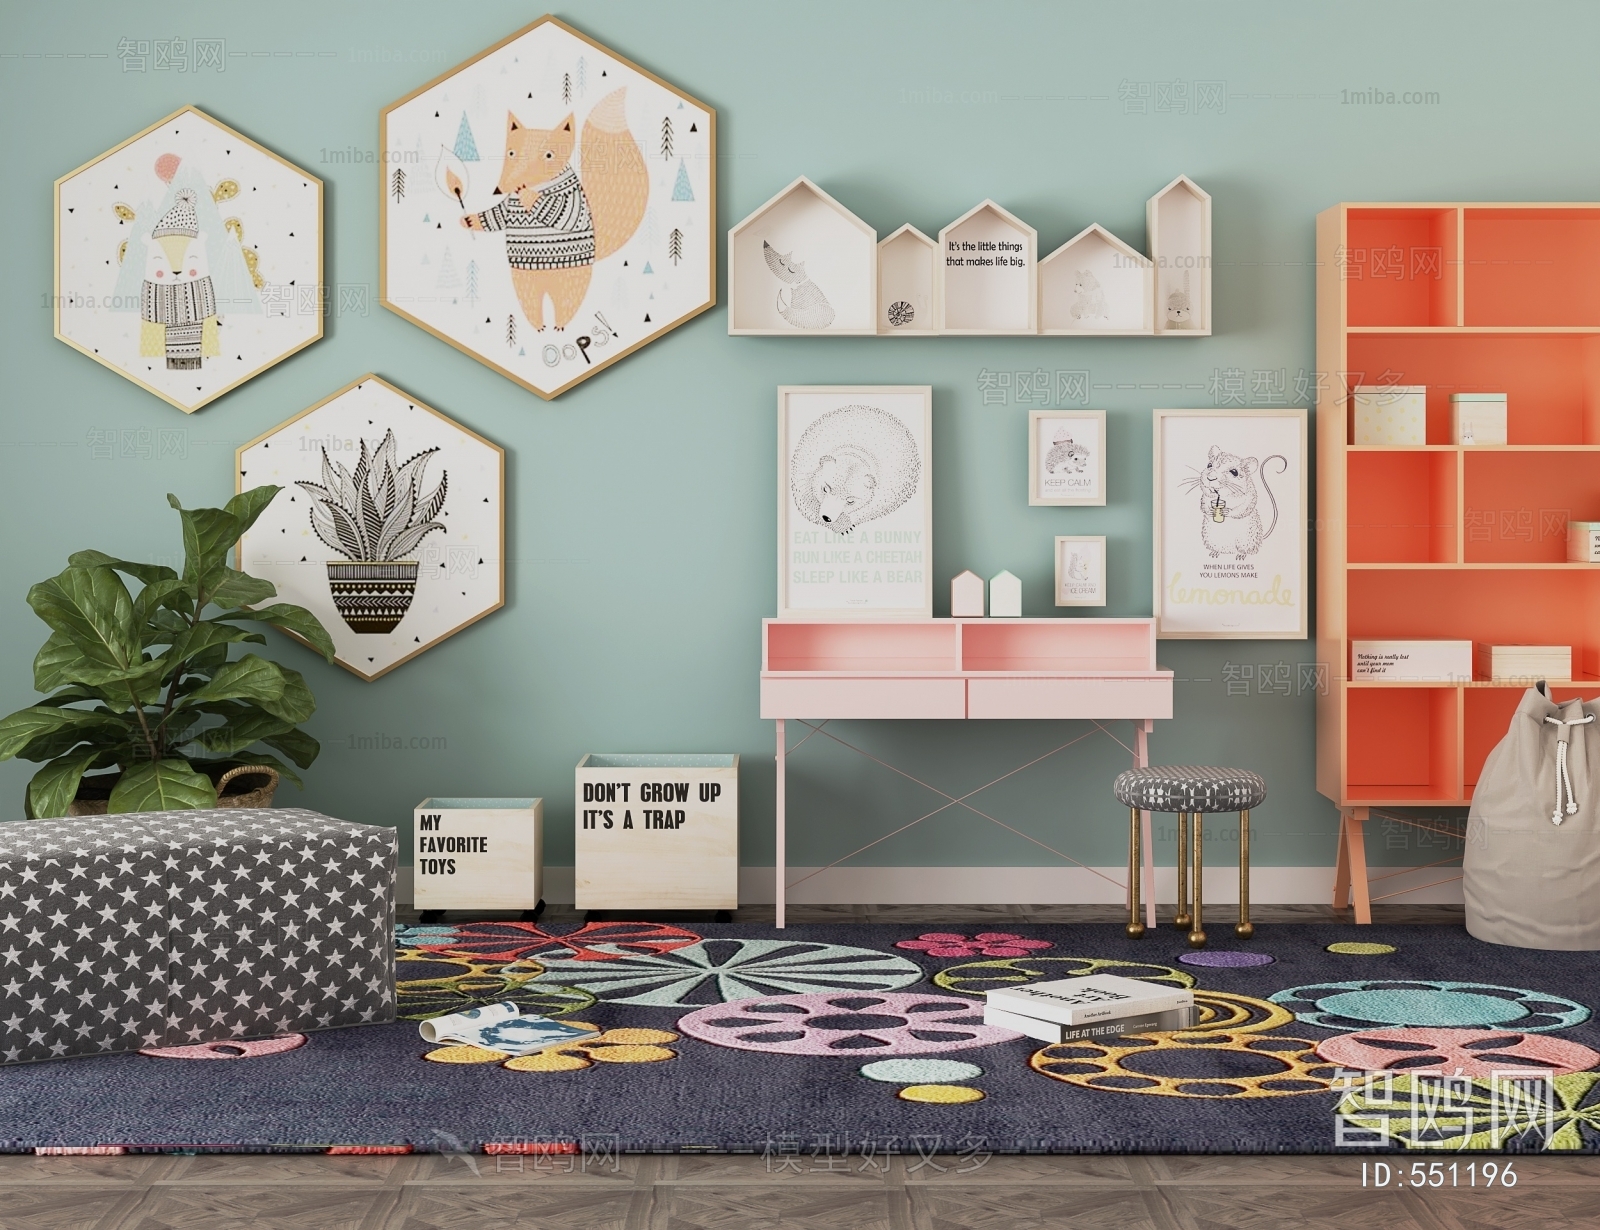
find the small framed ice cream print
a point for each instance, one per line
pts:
(1067, 457)
(1081, 570)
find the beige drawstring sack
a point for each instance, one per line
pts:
(1531, 871)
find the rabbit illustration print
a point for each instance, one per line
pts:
(1067, 457)
(1230, 514)
(854, 515)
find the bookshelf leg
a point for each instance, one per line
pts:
(1181, 919)
(780, 871)
(1135, 927)
(1356, 846)
(1197, 934)
(1341, 868)
(1244, 929)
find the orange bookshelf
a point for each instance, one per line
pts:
(1442, 540)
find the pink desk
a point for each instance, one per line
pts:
(1096, 669)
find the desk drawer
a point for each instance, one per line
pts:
(1069, 698)
(863, 698)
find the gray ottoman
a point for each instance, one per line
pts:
(173, 928)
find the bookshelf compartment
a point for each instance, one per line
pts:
(1552, 381)
(1408, 266)
(1532, 267)
(1402, 507)
(1555, 606)
(1518, 504)
(1401, 744)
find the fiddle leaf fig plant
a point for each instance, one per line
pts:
(143, 682)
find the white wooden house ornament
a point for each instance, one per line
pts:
(1095, 283)
(908, 284)
(966, 596)
(988, 271)
(1178, 226)
(802, 264)
(1005, 596)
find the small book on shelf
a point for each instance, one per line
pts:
(1087, 1000)
(1054, 1031)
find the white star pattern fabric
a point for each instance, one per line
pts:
(174, 928)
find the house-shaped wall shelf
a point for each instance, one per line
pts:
(1178, 225)
(802, 264)
(988, 272)
(1095, 283)
(908, 284)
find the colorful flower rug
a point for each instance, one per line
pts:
(861, 1041)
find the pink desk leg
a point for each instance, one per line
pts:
(1141, 759)
(780, 872)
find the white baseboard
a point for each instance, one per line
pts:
(1037, 886)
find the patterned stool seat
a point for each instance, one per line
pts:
(1191, 788)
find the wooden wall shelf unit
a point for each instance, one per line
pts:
(1443, 540)
(802, 265)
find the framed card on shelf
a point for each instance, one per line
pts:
(1230, 524)
(1067, 457)
(855, 501)
(1081, 570)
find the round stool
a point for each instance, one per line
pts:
(1190, 790)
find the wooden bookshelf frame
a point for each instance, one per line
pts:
(1447, 540)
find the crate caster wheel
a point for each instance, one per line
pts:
(431, 916)
(534, 914)
(724, 916)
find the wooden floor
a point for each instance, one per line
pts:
(460, 1192)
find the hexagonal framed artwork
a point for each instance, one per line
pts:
(390, 527)
(548, 207)
(188, 259)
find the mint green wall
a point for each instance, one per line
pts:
(641, 503)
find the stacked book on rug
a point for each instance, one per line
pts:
(1095, 1006)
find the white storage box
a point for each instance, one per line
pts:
(1583, 542)
(1412, 661)
(1518, 663)
(1392, 414)
(478, 854)
(1478, 418)
(657, 832)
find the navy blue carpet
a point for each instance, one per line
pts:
(868, 1039)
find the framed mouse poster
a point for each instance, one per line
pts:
(1230, 524)
(855, 502)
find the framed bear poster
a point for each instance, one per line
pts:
(1230, 524)
(1067, 457)
(855, 502)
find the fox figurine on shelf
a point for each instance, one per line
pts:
(557, 220)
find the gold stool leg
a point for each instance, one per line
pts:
(1135, 927)
(1245, 928)
(1197, 935)
(1181, 919)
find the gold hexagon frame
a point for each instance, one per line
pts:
(262, 262)
(643, 135)
(384, 610)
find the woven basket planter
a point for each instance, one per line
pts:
(257, 785)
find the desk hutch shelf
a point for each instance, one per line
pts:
(1442, 540)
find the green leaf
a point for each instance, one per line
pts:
(207, 535)
(25, 726)
(251, 726)
(92, 607)
(53, 664)
(150, 574)
(248, 505)
(297, 704)
(296, 745)
(237, 588)
(278, 690)
(206, 635)
(54, 787)
(152, 601)
(294, 620)
(162, 785)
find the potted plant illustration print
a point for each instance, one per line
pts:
(375, 517)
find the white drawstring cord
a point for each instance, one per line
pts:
(1563, 777)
